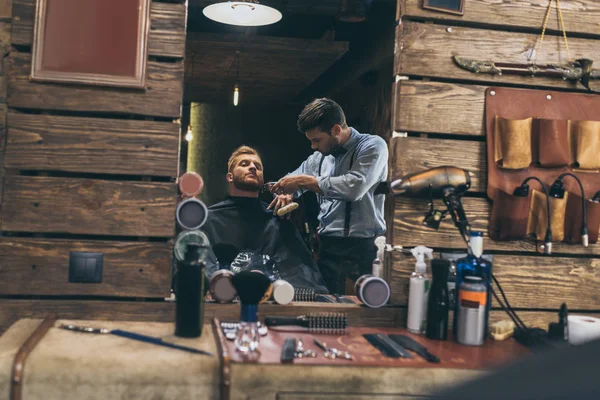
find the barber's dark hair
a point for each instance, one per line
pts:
(321, 113)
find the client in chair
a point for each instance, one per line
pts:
(243, 224)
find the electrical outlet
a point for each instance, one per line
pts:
(85, 267)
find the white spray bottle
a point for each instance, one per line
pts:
(378, 262)
(418, 292)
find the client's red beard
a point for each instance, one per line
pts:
(240, 183)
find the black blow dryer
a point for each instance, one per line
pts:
(446, 183)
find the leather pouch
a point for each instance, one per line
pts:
(573, 219)
(538, 218)
(509, 217)
(585, 142)
(552, 143)
(513, 143)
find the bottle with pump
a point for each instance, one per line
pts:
(474, 265)
(418, 292)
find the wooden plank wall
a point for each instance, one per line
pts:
(88, 169)
(438, 117)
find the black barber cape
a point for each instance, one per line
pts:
(244, 224)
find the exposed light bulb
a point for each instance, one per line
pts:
(236, 95)
(189, 136)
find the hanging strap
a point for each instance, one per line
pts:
(348, 210)
(348, 203)
(544, 26)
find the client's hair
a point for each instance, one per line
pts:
(239, 152)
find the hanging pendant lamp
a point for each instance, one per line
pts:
(242, 13)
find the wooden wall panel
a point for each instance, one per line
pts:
(439, 107)
(88, 206)
(99, 145)
(409, 230)
(161, 98)
(412, 154)
(427, 50)
(166, 37)
(581, 16)
(41, 267)
(528, 281)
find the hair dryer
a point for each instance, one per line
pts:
(447, 183)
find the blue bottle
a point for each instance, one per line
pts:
(474, 265)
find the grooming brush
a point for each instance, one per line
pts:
(319, 323)
(304, 295)
(251, 288)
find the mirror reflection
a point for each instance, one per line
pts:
(290, 173)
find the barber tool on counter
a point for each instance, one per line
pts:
(412, 345)
(133, 336)
(372, 290)
(418, 292)
(190, 250)
(332, 352)
(320, 323)
(230, 329)
(251, 288)
(387, 346)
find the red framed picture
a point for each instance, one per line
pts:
(94, 42)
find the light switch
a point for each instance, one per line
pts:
(85, 267)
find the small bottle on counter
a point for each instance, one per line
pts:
(437, 305)
(472, 305)
(474, 265)
(189, 290)
(418, 291)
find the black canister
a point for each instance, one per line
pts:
(438, 304)
(189, 290)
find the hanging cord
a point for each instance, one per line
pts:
(545, 25)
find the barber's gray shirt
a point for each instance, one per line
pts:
(340, 183)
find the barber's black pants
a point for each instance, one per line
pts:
(341, 258)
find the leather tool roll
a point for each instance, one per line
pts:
(552, 143)
(585, 140)
(573, 220)
(513, 143)
(512, 103)
(538, 218)
(509, 218)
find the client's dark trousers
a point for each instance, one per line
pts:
(341, 257)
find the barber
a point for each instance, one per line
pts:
(344, 172)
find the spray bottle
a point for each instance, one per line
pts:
(420, 282)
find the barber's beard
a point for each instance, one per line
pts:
(247, 186)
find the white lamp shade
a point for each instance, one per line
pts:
(242, 13)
